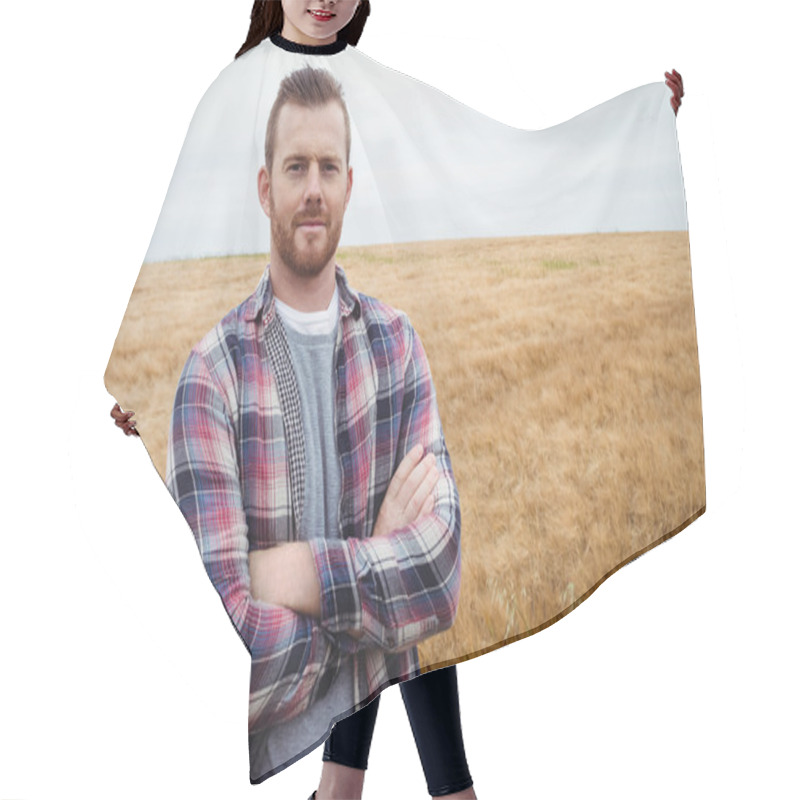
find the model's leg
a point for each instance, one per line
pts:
(345, 755)
(433, 711)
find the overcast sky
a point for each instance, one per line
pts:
(425, 166)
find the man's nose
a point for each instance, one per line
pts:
(313, 185)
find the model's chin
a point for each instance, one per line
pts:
(320, 32)
(312, 251)
(309, 262)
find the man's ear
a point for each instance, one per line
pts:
(263, 189)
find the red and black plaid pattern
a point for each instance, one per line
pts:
(236, 455)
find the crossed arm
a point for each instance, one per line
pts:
(286, 575)
(299, 607)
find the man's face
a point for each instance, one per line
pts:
(306, 192)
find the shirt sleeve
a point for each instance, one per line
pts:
(290, 652)
(394, 591)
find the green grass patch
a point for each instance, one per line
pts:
(558, 263)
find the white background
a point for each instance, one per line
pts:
(122, 677)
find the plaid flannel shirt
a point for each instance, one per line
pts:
(235, 466)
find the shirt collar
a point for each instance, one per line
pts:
(262, 302)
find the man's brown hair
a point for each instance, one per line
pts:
(308, 88)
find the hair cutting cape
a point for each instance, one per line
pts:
(547, 275)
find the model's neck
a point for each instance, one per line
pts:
(297, 36)
(303, 293)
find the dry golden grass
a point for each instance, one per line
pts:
(568, 384)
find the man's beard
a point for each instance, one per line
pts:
(307, 264)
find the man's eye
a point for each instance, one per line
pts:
(295, 167)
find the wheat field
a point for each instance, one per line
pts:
(568, 385)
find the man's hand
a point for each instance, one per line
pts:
(410, 492)
(124, 420)
(675, 82)
(286, 575)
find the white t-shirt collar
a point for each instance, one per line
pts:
(311, 323)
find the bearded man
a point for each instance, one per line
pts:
(307, 454)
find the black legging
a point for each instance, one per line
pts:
(433, 711)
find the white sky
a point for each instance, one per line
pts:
(425, 166)
(119, 672)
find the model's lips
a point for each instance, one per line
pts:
(322, 16)
(311, 223)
